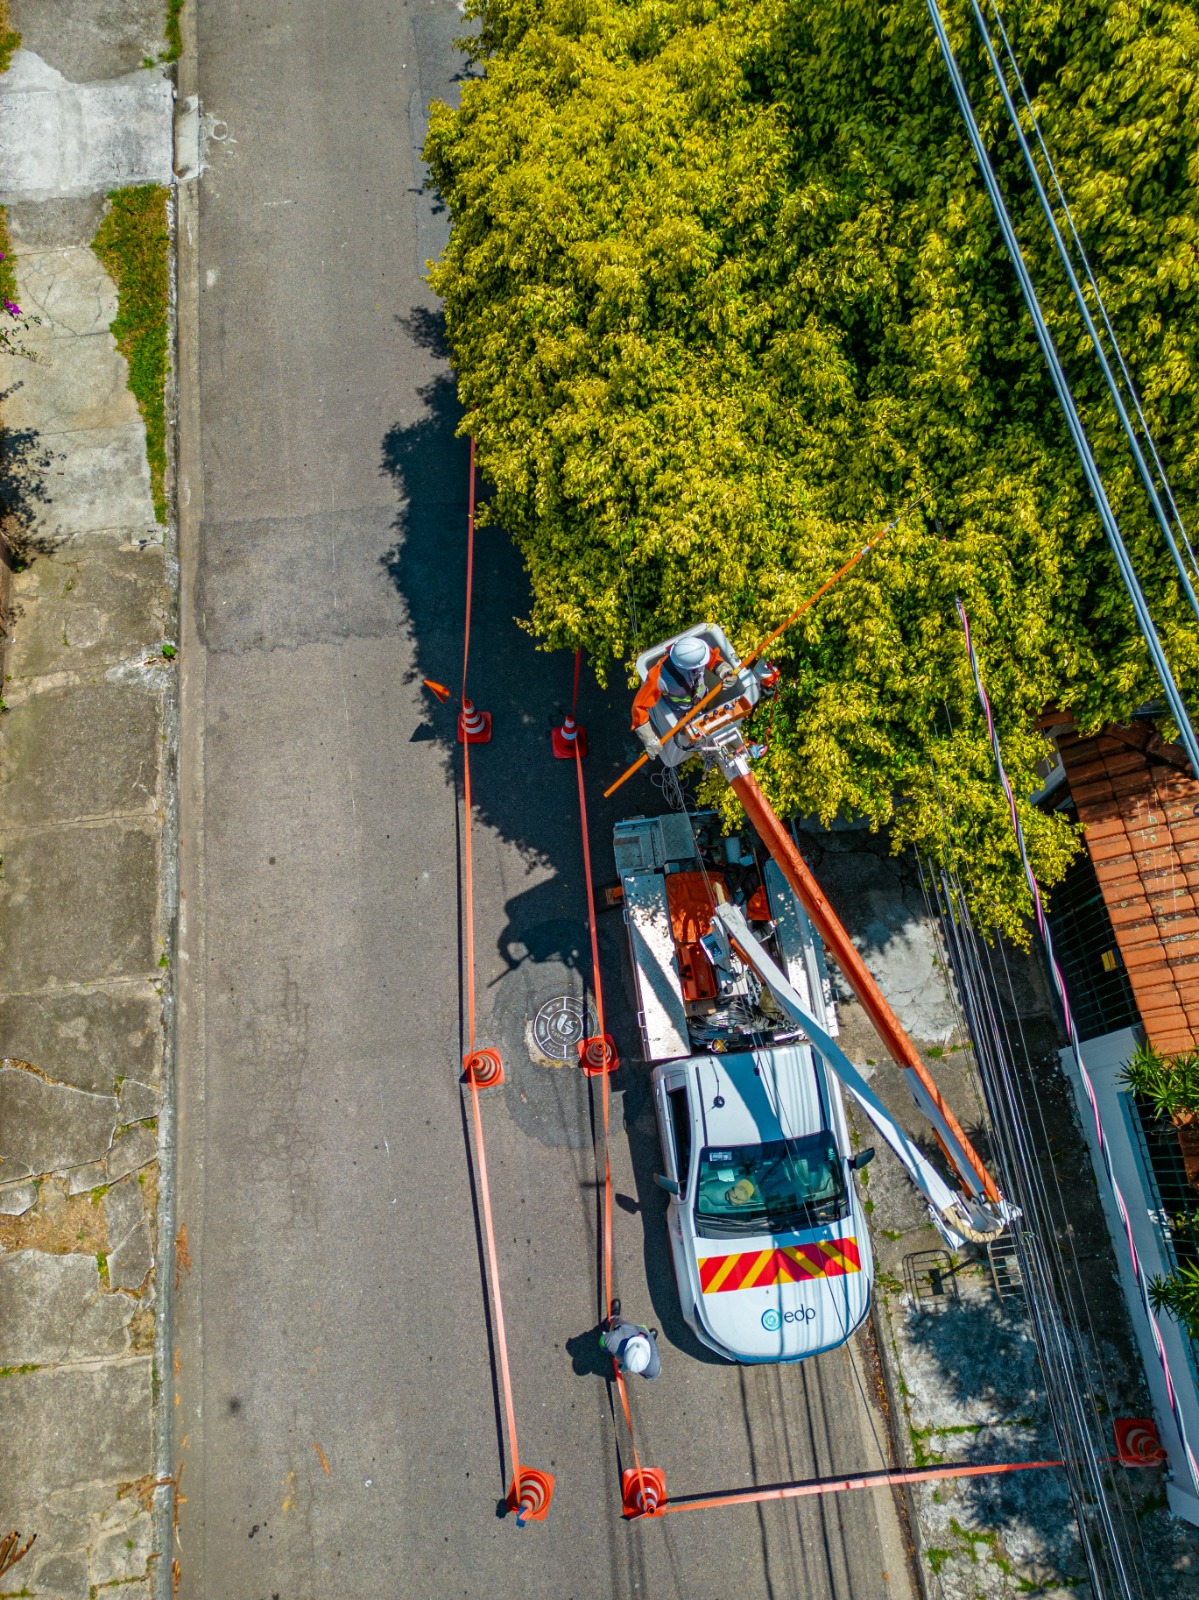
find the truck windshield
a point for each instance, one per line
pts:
(775, 1187)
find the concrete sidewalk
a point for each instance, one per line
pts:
(956, 1341)
(86, 900)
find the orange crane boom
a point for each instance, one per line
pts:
(717, 739)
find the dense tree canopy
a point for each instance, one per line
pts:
(725, 293)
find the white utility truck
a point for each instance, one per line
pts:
(727, 936)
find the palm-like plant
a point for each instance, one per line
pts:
(1179, 1295)
(1169, 1083)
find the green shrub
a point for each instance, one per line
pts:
(724, 293)
(1178, 1294)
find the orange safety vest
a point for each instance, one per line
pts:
(650, 691)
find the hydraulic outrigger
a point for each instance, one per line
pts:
(712, 730)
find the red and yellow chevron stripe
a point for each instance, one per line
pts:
(794, 1263)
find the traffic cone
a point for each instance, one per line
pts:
(532, 1501)
(1137, 1442)
(484, 1068)
(569, 738)
(643, 1492)
(598, 1055)
(474, 726)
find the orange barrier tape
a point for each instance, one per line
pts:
(501, 1337)
(597, 984)
(644, 1487)
(866, 1480)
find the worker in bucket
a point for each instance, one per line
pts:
(632, 1347)
(677, 681)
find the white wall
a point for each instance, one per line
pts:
(1104, 1058)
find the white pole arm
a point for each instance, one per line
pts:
(957, 1217)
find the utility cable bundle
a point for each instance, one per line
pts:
(1061, 384)
(1067, 1347)
(1171, 522)
(1050, 1268)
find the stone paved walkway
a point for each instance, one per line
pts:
(85, 769)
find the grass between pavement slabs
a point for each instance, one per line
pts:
(174, 32)
(8, 276)
(10, 39)
(133, 242)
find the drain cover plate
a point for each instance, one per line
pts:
(557, 1029)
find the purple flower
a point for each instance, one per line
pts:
(13, 310)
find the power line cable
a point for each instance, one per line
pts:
(1090, 276)
(1042, 1236)
(1101, 1142)
(1075, 1425)
(1078, 433)
(1106, 1535)
(1147, 478)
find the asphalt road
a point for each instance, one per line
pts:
(337, 1407)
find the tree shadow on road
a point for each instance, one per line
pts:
(540, 947)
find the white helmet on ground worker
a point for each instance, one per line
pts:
(635, 1356)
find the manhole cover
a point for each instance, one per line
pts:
(557, 1029)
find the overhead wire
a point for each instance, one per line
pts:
(1128, 574)
(1047, 1266)
(1076, 1047)
(1077, 1426)
(1064, 1260)
(1159, 511)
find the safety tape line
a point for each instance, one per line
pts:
(598, 986)
(1059, 982)
(866, 1480)
(469, 956)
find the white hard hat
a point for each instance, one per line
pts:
(636, 1353)
(689, 653)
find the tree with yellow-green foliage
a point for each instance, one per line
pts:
(725, 293)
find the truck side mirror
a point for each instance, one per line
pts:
(668, 1184)
(862, 1159)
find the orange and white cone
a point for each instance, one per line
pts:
(568, 739)
(597, 1054)
(531, 1501)
(474, 726)
(484, 1068)
(1137, 1442)
(642, 1492)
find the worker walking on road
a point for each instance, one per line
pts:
(632, 1347)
